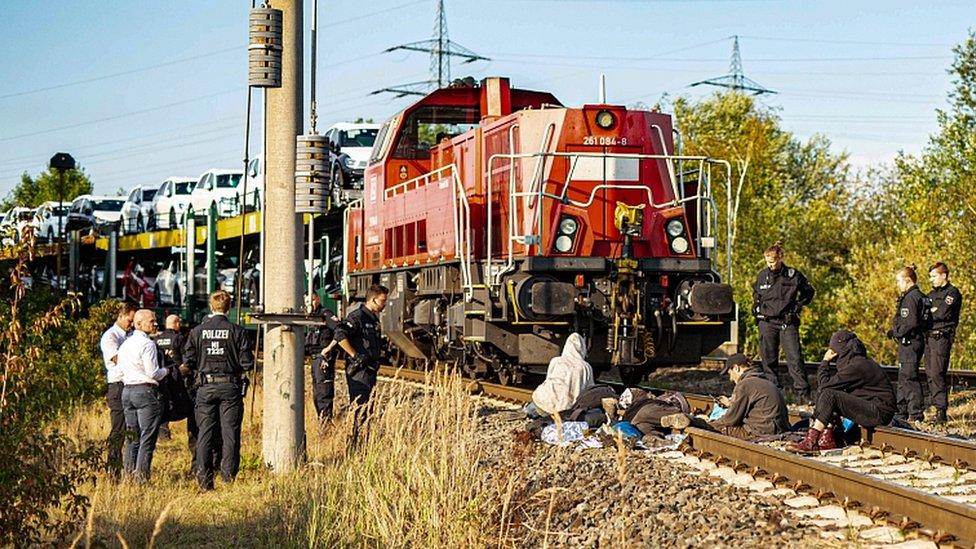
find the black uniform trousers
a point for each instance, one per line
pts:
(323, 384)
(116, 435)
(909, 386)
(193, 432)
(771, 335)
(832, 403)
(360, 383)
(219, 412)
(936, 367)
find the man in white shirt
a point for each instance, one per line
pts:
(141, 399)
(109, 345)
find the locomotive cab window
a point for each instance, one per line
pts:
(425, 126)
(380, 144)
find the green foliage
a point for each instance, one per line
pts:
(848, 233)
(782, 189)
(32, 192)
(50, 364)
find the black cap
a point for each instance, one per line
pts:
(734, 360)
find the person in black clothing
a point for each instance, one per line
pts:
(359, 336)
(946, 305)
(319, 344)
(859, 390)
(908, 330)
(218, 353)
(182, 387)
(780, 292)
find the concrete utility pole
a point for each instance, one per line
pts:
(283, 437)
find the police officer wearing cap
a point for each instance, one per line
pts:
(908, 330)
(218, 353)
(780, 292)
(946, 305)
(359, 336)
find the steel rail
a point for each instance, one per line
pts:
(960, 453)
(955, 376)
(942, 517)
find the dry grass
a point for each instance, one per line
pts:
(414, 482)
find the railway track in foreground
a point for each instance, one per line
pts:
(914, 480)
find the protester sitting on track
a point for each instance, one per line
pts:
(568, 376)
(646, 411)
(859, 391)
(757, 407)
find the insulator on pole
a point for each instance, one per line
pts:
(311, 174)
(264, 48)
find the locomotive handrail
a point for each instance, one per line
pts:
(427, 177)
(352, 205)
(703, 194)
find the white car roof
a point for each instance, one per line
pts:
(53, 203)
(354, 126)
(223, 171)
(105, 197)
(19, 209)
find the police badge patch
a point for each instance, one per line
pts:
(904, 312)
(949, 300)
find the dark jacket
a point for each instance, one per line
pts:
(909, 320)
(857, 374)
(362, 328)
(779, 295)
(218, 346)
(947, 302)
(170, 343)
(756, 404)
(318, 337)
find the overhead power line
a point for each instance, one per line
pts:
(119, 116)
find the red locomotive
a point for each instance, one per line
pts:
(503, 221)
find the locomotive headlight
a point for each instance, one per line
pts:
(679, 245)
(675, 228)
(605, 119)
(564, 244)
(568, 226)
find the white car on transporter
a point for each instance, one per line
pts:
(219, 187)
(171, 200)
(137, 211)
(47, 214)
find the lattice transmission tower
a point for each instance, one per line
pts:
(736, 79)
(441, 49)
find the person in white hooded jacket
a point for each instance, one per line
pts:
(569, 375)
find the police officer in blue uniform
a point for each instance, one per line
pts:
(359, 336)
(780, 292)
(218, 353)
(946, 305)
(908, 330)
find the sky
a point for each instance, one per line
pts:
(139, 91)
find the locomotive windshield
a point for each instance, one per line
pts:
(427, 125)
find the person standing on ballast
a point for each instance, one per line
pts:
(908, 331)
(946, 305)
(779, 294)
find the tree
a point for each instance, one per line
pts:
(782, 189)
(32, 192)
(924, 211)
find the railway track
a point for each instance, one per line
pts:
(963, 378)
(915, 480)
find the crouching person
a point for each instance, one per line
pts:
(859, 391)
(569, 374)
(757, 407)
